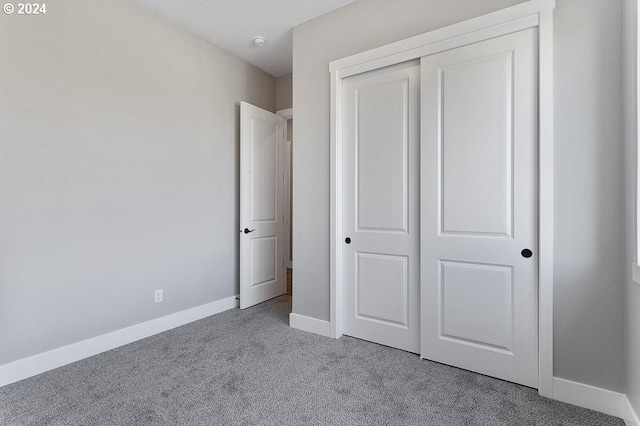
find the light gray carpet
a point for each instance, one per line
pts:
(248, 367)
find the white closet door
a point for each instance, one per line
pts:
(380, 223)
(479, 208)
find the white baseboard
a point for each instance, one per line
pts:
(598, 399)
(311, 325)
(633, 419)
(36, 364)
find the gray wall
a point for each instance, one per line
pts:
(119, 162)
(632, 288)
(589, 326)
(589, 176)
(284, 92)
(284, 99)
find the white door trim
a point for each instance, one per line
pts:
(287, 114)
(532, 14)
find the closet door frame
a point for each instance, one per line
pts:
(532, 14)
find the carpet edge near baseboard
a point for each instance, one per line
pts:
(36, 364)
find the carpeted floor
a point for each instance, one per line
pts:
(248, 367)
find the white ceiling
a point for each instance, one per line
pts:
(232, 25)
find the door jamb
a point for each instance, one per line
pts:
(531, 14)
(287, 114)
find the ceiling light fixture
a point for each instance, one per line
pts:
(259, 41)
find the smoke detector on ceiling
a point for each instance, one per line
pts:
(259, 41)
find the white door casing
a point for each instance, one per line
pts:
(381, 201)
(479, 207)
(262, 245)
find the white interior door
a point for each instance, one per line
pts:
(380, 205)
(479, 208)
(262, 245)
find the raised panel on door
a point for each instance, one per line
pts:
(478, 207)
(264, 170)
(382, 289)
(476, 304)
(380, 205)
(262, 254)
(264, 261)
(477, 177)
(381, 161)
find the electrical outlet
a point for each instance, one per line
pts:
(158, 296)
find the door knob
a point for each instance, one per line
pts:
(526, 253)
(347, 240)
(247, 230)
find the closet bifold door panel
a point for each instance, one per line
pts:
(479, 257)
(380, 245)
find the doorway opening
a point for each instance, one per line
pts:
(287, 114)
